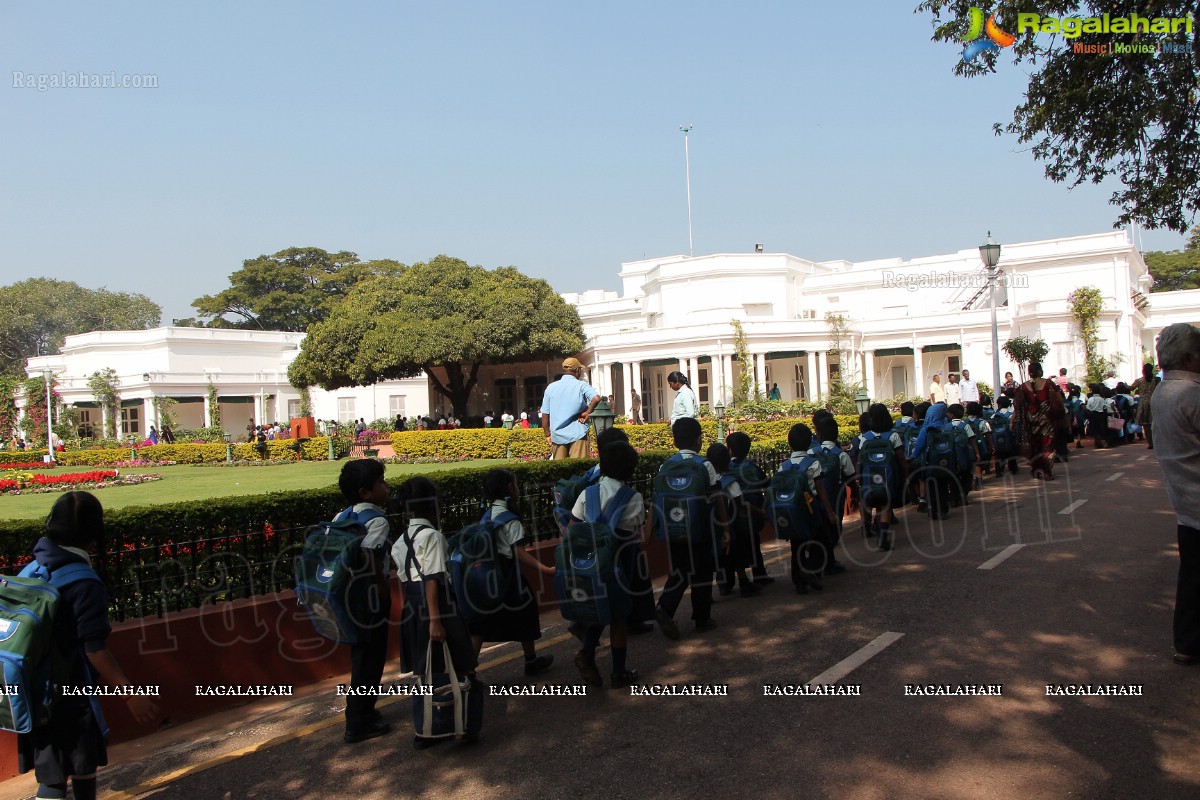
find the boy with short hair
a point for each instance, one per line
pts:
(1006, 455)
(753, 481)
(692, 565)
(963, 483)
(984, 445)
(363, 487)
(838, 471)
(809, 558)
(733, 559)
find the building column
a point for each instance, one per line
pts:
(627, 399)
(693, 371)
(869, 367)
(819, 379)
(207, 409)
(810, 376)
(760, 373)
(727, 372)
(148, 413)
(635, 372)
(922, 390)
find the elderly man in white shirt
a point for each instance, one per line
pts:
(953, 391)
(968, 389)
(937, 393)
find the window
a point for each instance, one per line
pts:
(660, 396)
(397, 405)
(535, 388)
(506, 397)
(702, 389)
(797, 382)
(87, 425)
(293, 409)
(346, 409)
(954, 363)
(131, 417)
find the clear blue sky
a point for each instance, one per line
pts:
(538, 134)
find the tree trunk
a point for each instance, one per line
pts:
(457, 388)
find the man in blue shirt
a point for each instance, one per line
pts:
(566, 406)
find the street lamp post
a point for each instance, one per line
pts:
(719, 410)
(229, 447)
(989, 253)
(687, 163)
(49, 416)
(602, 417)
(862, 401)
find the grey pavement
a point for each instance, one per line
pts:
(1085, 598)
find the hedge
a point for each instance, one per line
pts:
(471, 443)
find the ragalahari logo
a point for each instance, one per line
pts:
(995, 39)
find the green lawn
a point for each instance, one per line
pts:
(192, 482)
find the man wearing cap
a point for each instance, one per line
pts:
(566, 406)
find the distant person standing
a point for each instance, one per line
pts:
(1144, 388)
(953, 390)
(635, 408)
(937, 393)
(1063, 382)
(774, 394)
(685, 404)
(1176, 404)
(566, 406)
(968, 389)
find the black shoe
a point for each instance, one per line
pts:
(922, 506)
(538, 665)
(978, 484)
(749, 590)
(374, 730)
(811, 579)
(577, 629)
(470, 738)
(885, 541)
(587, 668)
(724, 591)
(640, 627)
(705, 625)
(666, 624)
(834, 568)
(1184, 660)
(622, 680)
(764, 580)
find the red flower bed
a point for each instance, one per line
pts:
(30, 465)
(59, 480)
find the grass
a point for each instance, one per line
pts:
(192, 482)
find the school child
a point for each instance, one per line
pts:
(431, 614)
(884, 459)
(852, 488)
(1097, 414)
(837, 471)
(618, 461)
(692, 564)
(753, 481)
(1006, 453)
(71, 744)
(966, 456)
(936, 479)
(1076, 414)
(916, 470)
(363, 487)
(734, 559)
(808, 558)
(517, 618)
(984, 446)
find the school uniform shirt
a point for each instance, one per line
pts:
(814, 469)
(714, 480)
(892, 437)
(1097, 404)
(981, 425)
(634, 517)
(510, 534)
(953, 393)
(378, 530)
(968, 391)
(844, 460)
(685, 404)
(430, 551)
(958, 422)
(564, 401)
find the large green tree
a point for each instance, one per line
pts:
(37, 314)
(1176, 269)
(290, 290)
(442, 313)
(1087, 116)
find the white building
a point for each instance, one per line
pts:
(906, 320)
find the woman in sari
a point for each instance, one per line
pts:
(1040, 412)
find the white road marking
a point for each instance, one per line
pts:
(1000, 557)
(1114, 476)
(1142, 458)
(856, 660)
(1072, 507)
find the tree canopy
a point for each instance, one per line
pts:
(1089, 113)
(1176, 269)
(37, 314)
(442, 313)
(290, 290)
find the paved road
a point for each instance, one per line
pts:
(1010, 592)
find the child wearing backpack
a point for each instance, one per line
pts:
(517, 619)
(431, 613)
(1004, 437)
(618, 461)
(837, 472)
(684, 490)
(966, 453)
(809, 549)
(753, 481)
(364, 488)
(933, 451)
(983, 440)
(72, 743)
(882, 474)
(735, 558)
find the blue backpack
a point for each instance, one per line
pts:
(33, 667)
(682, 512)
(482, 578)
(1002, 435)
(878, 470)
(964, 450)
(909, 432)
(939, 448)
(831, 472)
(587, 575)
(326, 576)
(981, 439)
(566, 493)
(791, 502)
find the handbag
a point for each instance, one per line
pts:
(1116, 424)
(443, 712)
(1135, 428)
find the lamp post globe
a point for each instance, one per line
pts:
(862, 401)
(602, 417)
(989, 254)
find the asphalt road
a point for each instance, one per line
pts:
(1063, 584)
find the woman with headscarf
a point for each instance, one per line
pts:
(1040, 412)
